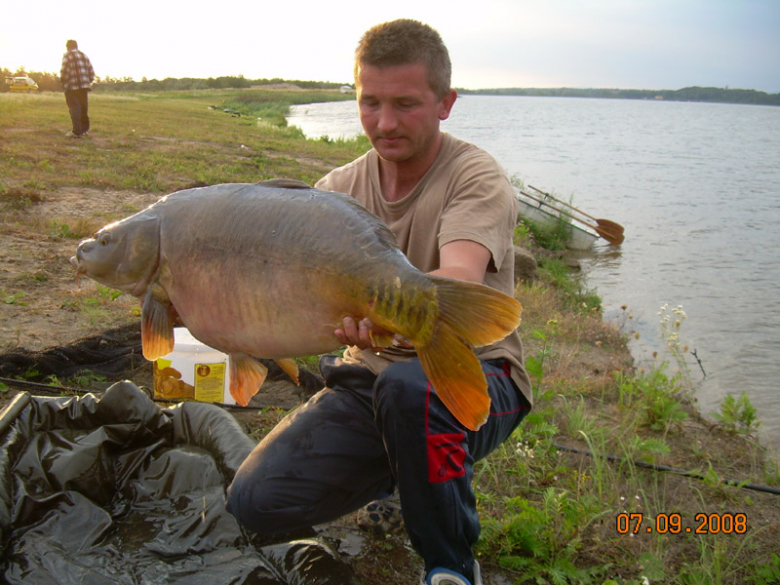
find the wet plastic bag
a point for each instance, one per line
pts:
(119, 491)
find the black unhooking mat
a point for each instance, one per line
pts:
(119, 491)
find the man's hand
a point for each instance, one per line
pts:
(365, 335)
(355, 333)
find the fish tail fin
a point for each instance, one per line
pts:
(246, 376)
(479, 314)
(469, 315)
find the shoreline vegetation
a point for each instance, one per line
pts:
(725, 95)
(576, 496)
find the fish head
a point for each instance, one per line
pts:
(122, 255)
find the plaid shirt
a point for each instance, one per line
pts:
(76, 72)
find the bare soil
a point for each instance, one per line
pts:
(41, 296)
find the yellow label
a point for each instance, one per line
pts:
(168, 383)
(210, 382)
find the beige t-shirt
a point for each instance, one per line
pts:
(465, 195)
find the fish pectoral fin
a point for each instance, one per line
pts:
(457, 377)
(246, 376)
(156, 325)
(290, 368)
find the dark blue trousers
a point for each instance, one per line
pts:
(361, 437)
(78, 106)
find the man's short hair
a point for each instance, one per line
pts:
(71, 44)
(403, 42)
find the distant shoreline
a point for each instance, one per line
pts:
(50, 82)
(686, 94)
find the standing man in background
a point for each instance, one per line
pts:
(77, 76)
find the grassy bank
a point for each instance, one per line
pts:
(161, 142)
(577, 495)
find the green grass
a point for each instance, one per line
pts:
(159, 143)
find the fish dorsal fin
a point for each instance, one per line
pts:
(246, 376)
(156, 324)
(285, 184)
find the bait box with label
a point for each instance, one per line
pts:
(192, 371)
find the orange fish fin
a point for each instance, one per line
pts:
(468, 315)
(290, 368)
(156, 327)
(246, 376)
(478, 314)
(456, 375)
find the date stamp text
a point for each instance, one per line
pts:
(712, 523)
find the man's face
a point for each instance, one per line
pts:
(399, 111)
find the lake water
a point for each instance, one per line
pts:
(697, 188)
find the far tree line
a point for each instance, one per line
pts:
(51, 82)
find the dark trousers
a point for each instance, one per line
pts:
(78, 106)
(361, 437)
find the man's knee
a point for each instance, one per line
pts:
(262, 512)
(401, 389)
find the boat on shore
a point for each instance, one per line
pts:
(547, 214)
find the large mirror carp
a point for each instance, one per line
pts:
(270, 270)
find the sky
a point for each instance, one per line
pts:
(628, 44)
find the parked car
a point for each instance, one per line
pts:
(22, 84)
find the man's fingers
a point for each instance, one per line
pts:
(355, 332)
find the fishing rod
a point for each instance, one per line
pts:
(655, 467)
(19, 403)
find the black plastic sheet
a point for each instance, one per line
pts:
(119, 491)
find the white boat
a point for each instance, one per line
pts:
(545, 213)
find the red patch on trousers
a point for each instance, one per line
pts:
(445, 457)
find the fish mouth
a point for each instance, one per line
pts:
(75, 261)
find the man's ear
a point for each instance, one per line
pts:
(446, 103)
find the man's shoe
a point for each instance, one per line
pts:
(441, 576)
(71, 134)
(380, 517)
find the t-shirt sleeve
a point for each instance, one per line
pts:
(483, 209)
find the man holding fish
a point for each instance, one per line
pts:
(379, 425)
